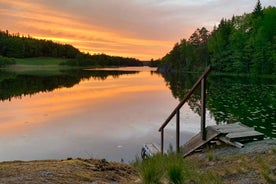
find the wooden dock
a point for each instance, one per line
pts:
(232, 134)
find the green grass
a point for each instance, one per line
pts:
(40, 61)
(152, 169)
(211, 155)
(266, 171)
(6, 61)
(174, 169)
(38, 66)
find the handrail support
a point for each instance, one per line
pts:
(177, 130)
(176, 111)
(162, 141)
(203, 108)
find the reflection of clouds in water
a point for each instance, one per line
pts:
(119, 146)
(112, 122)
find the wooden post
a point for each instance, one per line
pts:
(162, 141)
(203, 108)
(201, 81)
(177, 130)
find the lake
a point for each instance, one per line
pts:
(110, 113)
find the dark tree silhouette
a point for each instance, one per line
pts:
(20, 46)
(258, 10)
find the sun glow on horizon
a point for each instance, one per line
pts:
(143, 29)
(40, 22)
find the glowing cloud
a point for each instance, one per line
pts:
(143, 29)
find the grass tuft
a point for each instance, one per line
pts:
(209, 178)
(152, 169)
(176, 169)
(269, 178)
(211, 156)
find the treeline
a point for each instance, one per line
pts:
(20, 46)
(102, 60)
(244, 44)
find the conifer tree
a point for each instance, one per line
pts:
(258, 10)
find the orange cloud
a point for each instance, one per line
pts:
(43, 23)
(143, 29)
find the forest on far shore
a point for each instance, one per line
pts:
(243, 44)
(14, 45)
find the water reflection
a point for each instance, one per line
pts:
(14, 84)
(251, 101)
(111, 113)
(109, 118)
(230, 99)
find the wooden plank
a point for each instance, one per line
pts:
(227, 125)
(234, 129)
(196, 142)
(248, 135)
(228, 133)
(231, 128)
(153, 148)
(192, 142)
(236, 144)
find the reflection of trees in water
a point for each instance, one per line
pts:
(16, 85)
(251, 101)
(180, 84)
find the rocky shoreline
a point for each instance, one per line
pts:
(255, 163)
(263, 146)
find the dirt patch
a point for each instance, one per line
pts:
(66, 171)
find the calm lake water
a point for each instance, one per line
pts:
(111, 113)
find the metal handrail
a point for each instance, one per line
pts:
(201, 81)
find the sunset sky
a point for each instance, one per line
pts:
(143, 29)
